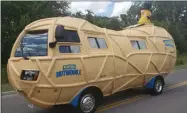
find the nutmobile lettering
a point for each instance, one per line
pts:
(68, 70)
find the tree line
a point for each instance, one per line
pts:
(16, 15)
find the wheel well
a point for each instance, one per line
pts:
(95, 91)
(161, 78)
(92, 90)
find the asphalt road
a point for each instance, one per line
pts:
(173, 100)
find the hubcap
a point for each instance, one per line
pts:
(158, 86)
(87, 103)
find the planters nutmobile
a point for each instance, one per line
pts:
(65, 60)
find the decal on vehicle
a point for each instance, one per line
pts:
(169, 43)
(68, 70)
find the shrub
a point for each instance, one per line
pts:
(4, 78)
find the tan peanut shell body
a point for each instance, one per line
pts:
(115, 68)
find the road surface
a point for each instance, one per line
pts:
(173, 100)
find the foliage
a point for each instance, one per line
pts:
(4, 78)
(173, 17)
(16, 15)
(181, 59)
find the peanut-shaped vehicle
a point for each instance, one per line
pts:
(66, 60)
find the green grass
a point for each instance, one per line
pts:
(181, 63)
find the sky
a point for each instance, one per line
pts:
(103, 8)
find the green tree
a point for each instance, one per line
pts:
(16, 15)
(89, 16)
(130, 18)
(173, 17)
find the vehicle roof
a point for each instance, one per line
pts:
(81, 24)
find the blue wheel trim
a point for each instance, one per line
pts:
(75, 100)
(151, 82)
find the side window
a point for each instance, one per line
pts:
(69, 49)
(93, 42)
(134, 44)
(34, 43)
(142, 44)
(101, 42)
(67, 36)
(138, 44)
(169, 43)
(97, 42)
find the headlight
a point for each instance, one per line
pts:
(30, 75)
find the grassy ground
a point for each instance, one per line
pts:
(6, 87)
(181, 63)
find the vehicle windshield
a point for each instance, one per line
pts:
(34, 43)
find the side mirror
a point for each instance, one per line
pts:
(59, 32)
(59, 35)
(52, 44)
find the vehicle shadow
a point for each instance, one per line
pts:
(60, 109)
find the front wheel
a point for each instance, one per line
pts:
(87, 103)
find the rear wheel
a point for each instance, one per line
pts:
(87, 103)
(158, 86)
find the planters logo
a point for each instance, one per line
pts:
(68, 70)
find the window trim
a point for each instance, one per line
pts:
(98, 46)
(137, 41)
(97, 43)
(138, 44)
